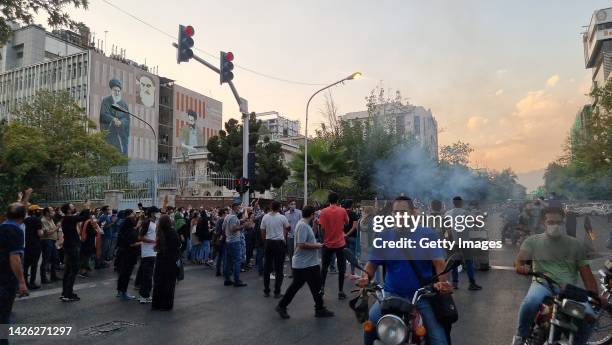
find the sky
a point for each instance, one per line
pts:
(506, 76)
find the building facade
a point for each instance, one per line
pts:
(406, 120)
(597, 42)
(278, 125)
(35, 60)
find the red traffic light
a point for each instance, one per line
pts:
(189, 31)
(229, 56)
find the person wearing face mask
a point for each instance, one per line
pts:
(560, 257)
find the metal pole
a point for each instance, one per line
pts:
(306, 138)
(245, 154)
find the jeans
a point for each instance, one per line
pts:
(436, 334)
(259, 260)
(220, 256)
(290, 247)
(469, 267)
(72, 260)
(351, 244)
(49, 259)
(7, 298)
(274, 259)
(30, 264)
(232, 260)
(312, 277)
(326, 259)
(126, 264)
(206, 250)
(530, 306)
(146, 265)
(106, 248)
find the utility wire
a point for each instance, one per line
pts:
(289, 81)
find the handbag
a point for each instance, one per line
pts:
(180, 270)
(443, 305)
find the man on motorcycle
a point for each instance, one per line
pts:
(558, 256)
(402, 281)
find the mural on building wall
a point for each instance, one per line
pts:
(117, 123)
(190, 137)
(146, 95)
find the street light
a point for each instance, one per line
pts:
(350, 77)
(118, 108)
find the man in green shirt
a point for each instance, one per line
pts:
(558, 256)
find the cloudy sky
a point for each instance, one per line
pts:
(506, 76)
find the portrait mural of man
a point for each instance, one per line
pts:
(146, 96)
(190, 138)
(117, 123)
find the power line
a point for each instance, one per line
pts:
(289, 81)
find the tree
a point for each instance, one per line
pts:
(50, 138)
(327, 168)
(225, 154)
(23, 11)
(456, 154)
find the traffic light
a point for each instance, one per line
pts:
(185, 43)
(245, 185)
(238, 185)
(225, 67)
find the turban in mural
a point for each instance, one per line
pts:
(114, 82)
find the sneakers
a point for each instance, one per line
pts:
(145, 300)
(228, 283)
(240, 284)
(474, 287)
(83, 275)
(341, 295)
(323, 312)
(282, 312)
(72, 298)
(516, 340)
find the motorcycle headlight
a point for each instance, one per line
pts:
(573, 309)
(391, 330)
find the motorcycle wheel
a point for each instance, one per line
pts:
(602, 331)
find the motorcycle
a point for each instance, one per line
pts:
(602, 329)
(561, 316)
(400, 322)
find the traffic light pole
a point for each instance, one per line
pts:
(244, 109)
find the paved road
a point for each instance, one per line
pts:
(206, 312)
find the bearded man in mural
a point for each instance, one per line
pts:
(117, 123)
(191, 139)
(146, 96)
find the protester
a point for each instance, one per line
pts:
(72, 248)
(350, 231)
(197, 250)
(306, 269)
(203, 233)
(464, 235)
(332, 221)
(293, 215)
(167, 247)
(128, 246)
(12, 280)
(274, 227)
(231, 227)
(33, 234)
(220, 241)
(49, 239)
(147, 253)
(89, 230)
(365, 226)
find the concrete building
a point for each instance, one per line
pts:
(279, 126)
(406, 120)
(35, 60)
(597, 41)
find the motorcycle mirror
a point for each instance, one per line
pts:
(350, 257)
(453, 261)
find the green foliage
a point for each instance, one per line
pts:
(51, 138)
(23, 11)
(225, 154)
(457, 153)
(585, 171)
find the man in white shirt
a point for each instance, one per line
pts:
(274, 228)
(147, 253)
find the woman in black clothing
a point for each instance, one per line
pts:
(168, 252)
(128, 247)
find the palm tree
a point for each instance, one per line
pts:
(326, 169)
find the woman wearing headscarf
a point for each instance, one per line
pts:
(167, 247)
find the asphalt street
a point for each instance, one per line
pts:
(206, 312)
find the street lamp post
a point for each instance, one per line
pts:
(350, 77)
(118, 108)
